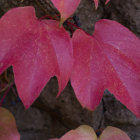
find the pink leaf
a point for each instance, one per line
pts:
(108, 60)
(36, 49)
(66, 7)
(107, 1)
(83, 132)
(112, 133)
(96, 3)
(8, 130)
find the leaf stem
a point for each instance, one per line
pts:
(56, 17)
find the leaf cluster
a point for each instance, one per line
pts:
(40, 49)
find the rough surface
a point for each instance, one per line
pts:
(50, 117)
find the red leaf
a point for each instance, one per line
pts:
(96, 3)
(66, 7)
(108, 60)
(36, 49)
(112, 133)
(107, 1)
(8, 130)
(83, 132)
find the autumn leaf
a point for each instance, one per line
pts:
(107, 60)
(37, 50)
(8, 130)
(83, 132)
(112, 133)
(66, 7)
(107, 1)
(96, 3)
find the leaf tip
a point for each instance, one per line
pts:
(107, 1)
(96, 4)
(27, 104)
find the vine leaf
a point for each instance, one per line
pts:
(107, 60)
(36, 49)
(113, 133)
(66, 7)
(107, 1)
(96, 3)
(85, 132)
(8, 130)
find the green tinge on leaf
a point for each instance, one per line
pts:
(8, 130)
(83, 132)
(112, 133)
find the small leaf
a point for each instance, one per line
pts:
(66, 7)
(107, 1)
(108, 60)
(83, 132)
(37, 50)
(112, 133)
(96, 3)
(8, 130)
